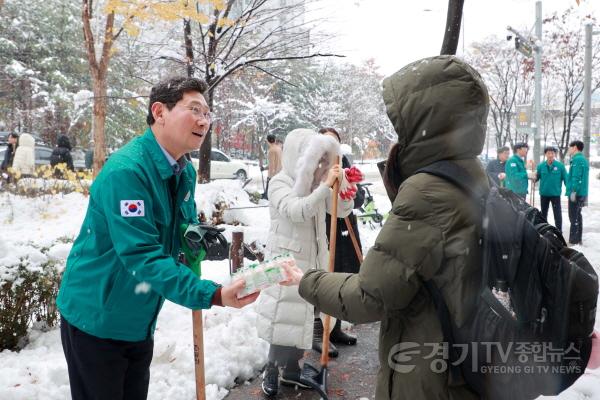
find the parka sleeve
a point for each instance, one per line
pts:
(407, 250)
(289, 205)
(137, 245)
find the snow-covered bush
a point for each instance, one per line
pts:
(29, 282)
(44, 183)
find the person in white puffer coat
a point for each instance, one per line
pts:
(300, 195)
(24, 161)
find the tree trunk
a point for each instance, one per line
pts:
(98, 72)
(99, 117)
(204, 161)
(453, 21)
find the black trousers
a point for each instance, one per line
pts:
(556, 210)
(105, 369)
(576, 219)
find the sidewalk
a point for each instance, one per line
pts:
(351, 376)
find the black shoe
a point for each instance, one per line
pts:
(318, 340)
(270, 383)
(293, 378)
(338, 336)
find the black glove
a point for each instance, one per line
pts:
(205, 236)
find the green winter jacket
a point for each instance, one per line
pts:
(516, 175)
(123, 263)
(579, 174)
(551, 178)
(431, 232)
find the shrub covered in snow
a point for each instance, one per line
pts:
(29, 281)
(44, 183)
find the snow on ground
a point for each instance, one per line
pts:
(232, 348)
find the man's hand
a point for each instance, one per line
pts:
(573, 197)
(229, 295)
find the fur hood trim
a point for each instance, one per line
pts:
(307, 156)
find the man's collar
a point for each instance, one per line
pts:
(161, 157)
(176, 165)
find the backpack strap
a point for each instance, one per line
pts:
(460, 178)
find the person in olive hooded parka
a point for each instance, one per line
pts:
(438, 107)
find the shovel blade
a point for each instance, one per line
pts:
(315, 379)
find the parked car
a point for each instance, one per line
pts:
(221, 166)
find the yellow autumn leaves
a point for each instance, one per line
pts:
(44, 181)
(144, 10)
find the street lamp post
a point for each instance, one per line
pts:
(587, 89)
(528, 48)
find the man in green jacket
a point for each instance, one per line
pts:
(517, 177)
(551, 175)
(124, 263)
(438, 107)
(577, 189)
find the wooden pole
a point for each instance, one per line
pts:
(199, 354)
(332, 241)
(354, 240)
(237, 251)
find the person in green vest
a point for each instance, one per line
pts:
(124, 262)
(551, 174)
(577, 189)
(517, 176)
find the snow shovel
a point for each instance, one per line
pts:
(354, 241)
(311, 376)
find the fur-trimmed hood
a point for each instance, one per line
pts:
(307, 156)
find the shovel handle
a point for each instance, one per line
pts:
(354, 240)
(199, 354)
(332, 243)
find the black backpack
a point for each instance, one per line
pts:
(543, 344)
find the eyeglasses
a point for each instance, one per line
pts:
(198, 112)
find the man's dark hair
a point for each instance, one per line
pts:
(14, 135)
(520, 145)
(171, 90)
(550, 148)
(578, 144)
(271, 138)
(502, 149)
(331, 130)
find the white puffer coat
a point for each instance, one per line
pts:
(298, 202)
(24, 160)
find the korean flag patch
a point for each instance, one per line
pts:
(132, 208)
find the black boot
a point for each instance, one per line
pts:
(338, 336)
(292, 376)
(270, 383)
(318, 340)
